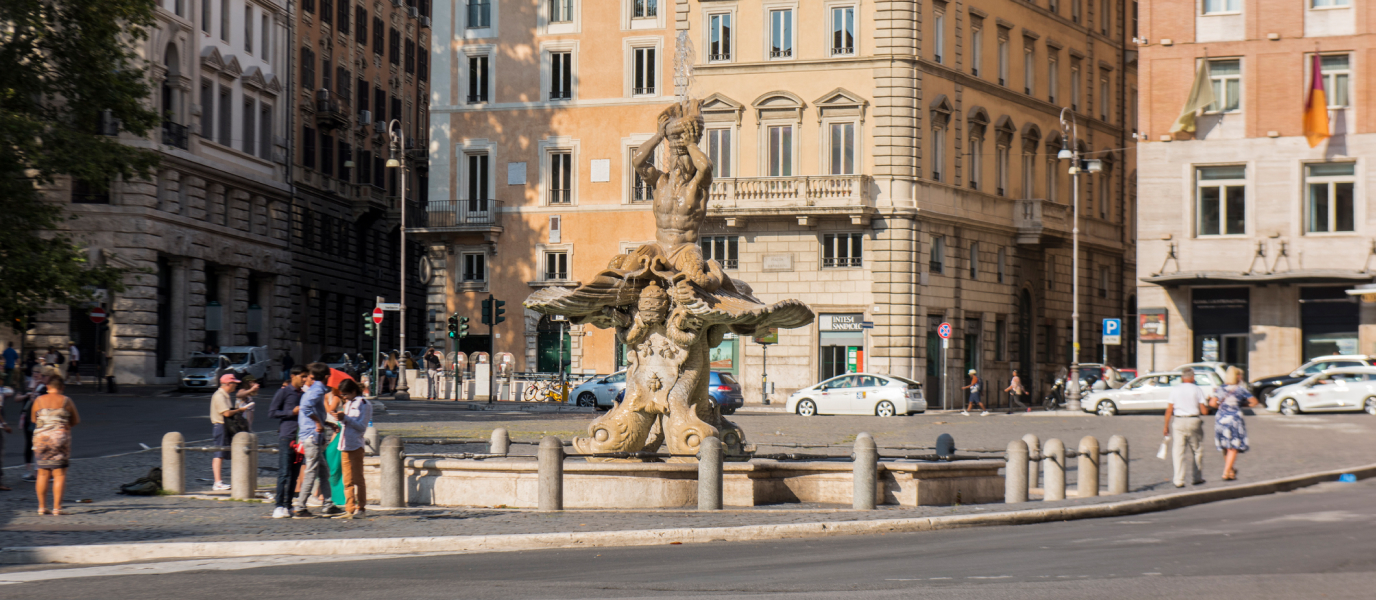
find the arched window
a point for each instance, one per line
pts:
(171, 100)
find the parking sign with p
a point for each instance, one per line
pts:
(1113, 332)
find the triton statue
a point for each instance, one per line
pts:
(670, 307)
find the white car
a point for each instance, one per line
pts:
(252, 361)
(1151, 392)
(599, 391)
(1218, 368)
(1334, 390)
(859, 394)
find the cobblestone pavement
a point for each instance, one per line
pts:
(1281, 446)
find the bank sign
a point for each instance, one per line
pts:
(841, 322)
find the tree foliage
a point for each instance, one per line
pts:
(62, 64)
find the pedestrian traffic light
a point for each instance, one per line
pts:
(500, 315)
(463, 327)
(454, 325)
(369, 330)
(487, 311)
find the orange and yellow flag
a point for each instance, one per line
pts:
(1316, 108)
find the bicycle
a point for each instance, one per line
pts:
(543, 391)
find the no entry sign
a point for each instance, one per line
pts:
(377, 316)
(97, 315)
(944, 331)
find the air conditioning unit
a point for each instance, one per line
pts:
(411, 10)
(397, 3)
(379, 127)
(365, 117)
(425, 22)
(322, 94)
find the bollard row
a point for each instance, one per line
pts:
(1024, 457)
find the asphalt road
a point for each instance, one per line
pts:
(1311, 543)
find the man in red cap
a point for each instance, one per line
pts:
(222, 406)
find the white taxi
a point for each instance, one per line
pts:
(1334, 390)
(859, 394)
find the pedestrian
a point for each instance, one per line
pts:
(11, 361)
(287, 364)
(54, 415)
(311, 436)
(354, 415)
(286, 408)
(110, 372)
(433, 370)
(5, 427)
(30, 362)
(1016, 390)
(390, 368)
(244, 398)
(38, 387)
(334, 457)
(74, 364)
(974, 396)
(1230, 431)
(221, 408)
(1185, 427)
(55, 358)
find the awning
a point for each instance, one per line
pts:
(1234, 277)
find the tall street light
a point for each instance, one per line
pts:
(1072, 152)
(397, 160)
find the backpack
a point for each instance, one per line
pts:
(61, 359)
(148, 485)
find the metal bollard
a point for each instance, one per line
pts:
(945, 446)
(392, 472)
(500, 444)
(709, 474)
(866, 472)
(1015, 473)
(551, 470)
(1087, 477)
(1118, 465)
(241, 468)
(253, 472)
(173, 463)
(1034, 455)
(370, 446)
(1053, 470)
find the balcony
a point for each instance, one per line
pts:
(174, 134)
(330, 111)
(1041, 222)
(449, 216)
(417, 153)
(805, 197)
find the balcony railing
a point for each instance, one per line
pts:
(477, 212)
(643, 91)
(560, 94)
(174, 134)
(781, 192)
(785, 53)
(477, 98)
(556, 275)
(330, 111)
(719, 57)
(833, 262)
(843, 51)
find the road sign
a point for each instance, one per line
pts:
(1113, 332)
(944, 331)
(867, 324)
(377, 316)
(97, 315)
(389, 306)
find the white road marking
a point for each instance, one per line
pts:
(182, 566)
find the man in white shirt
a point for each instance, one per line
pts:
(1185, 427)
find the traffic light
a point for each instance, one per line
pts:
(463, 327)
(368, 329)
(500, 315)
(487, 311)
(454, 325)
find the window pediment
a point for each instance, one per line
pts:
(211, 59)
(841, 102)
(779, 105)
(721, 109)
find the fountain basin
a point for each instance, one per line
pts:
(513, 483)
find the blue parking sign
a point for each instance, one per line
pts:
(1113, 332)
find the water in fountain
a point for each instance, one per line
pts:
(684, 58)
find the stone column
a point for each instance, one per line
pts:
(195, 304)
(179, 300)
(236, 308)
(893, 345)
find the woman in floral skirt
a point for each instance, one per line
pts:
(1230, 431)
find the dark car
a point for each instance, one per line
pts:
(726, 392)
(1264, 386)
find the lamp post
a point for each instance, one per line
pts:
(1072, 152)
(398, 161)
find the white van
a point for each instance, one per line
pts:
(251, 361)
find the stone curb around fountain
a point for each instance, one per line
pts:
(364, 548)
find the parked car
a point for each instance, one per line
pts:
(859, 394)
(1150, 392)
(340, 361)
(599, 392)
(1332, 390)
(201, 371)
(1218, 368)
(725, 392)
(1264, 387)
(248, 361)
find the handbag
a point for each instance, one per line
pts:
(235, 424)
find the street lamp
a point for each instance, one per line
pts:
(397, 160)
(1072, 152)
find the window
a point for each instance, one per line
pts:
(1103, 98)
(1029, 71)
(265, 131)
(719, 150)
(477, 79)
(1003, 60)
(365, 171)
(475, 267)
(1105, 11)
(479, 14)
(722, 248)
(379, 105)
(1000, 339)
(1336, 72)
(1103, 281)
(1075, 11)
(1075, 86)
(937, 262)
(1003, 265)
(1000, 169)
(264, 43)
(207, 109)
(643, 75)
(1213, 7)
(346, 156)
(394, 46)
(640, 189)
(1330, 3)
(341, 82)
(478, 189)
(976, 50)
(781, 33)
(307, 69)
(976, 161)
(410, 58)
(342, 19)
(561, 177)
(939, 37)
(378, 34)
(1029, 174)
(1053, 176)
(248, 29)
(1053, 79)
(842, 144)
(644, 9)
(224, 20)
(308, 5)
(327, 11)
(842, 250)
(556, 266)
(781, 151)
(205, 16)
(226, 115)
(974, 260)
(1222, 193)
(308, 147)
(326, 77)
(938, 153)
(1227, 79)
(842, 30)
(719, 37)
(1331, 197)
(560, 11)
(561, 75)
(326, 154)
(361, 25)
(250, 126)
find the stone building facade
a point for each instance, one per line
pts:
(1254, 237)
(890, 163)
